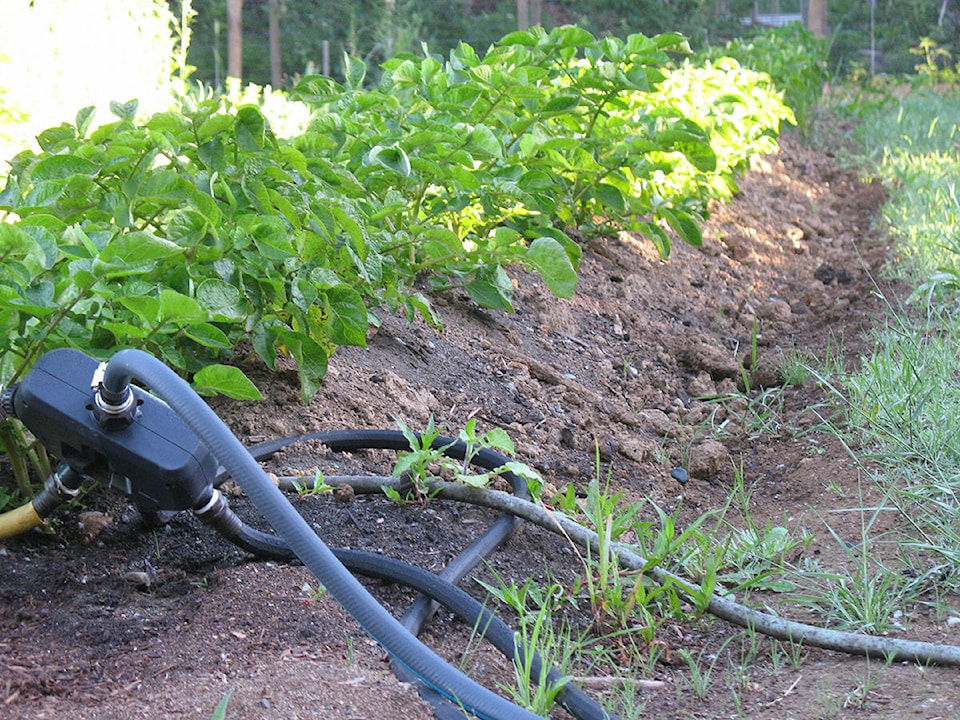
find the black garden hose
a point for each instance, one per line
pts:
(414, 619)
(308, 547)
(486, 459)
(470, 611)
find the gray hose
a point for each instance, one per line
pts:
(217, 513)
(311, 550)
(420, 612)
(894, 649)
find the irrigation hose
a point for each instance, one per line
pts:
(303, 541)
(217, 513)
(894, 649)
(19, 520)
(417, 615)
(458, 568)
(60, 487)
(329, 566)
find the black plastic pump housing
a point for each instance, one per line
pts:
(155, 459)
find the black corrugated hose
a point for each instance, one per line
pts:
(297, 537)
(442, 588)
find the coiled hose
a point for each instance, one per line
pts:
(442, 588)
(486, 459)
(312, 551)
(464, 606)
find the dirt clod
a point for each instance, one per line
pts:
(708, 460)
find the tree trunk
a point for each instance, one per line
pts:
(535, 12)
(523, 14)
(276, 72)
(235, 38)
(817, 18)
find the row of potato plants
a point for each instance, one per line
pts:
(194, 230)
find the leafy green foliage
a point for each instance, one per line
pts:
(181, 236)
(194, 231)
(740, 111)
(489, 158)
(794, 59)
(425, 455)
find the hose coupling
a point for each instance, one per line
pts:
(215, 511)
(112, 409)
(7, 407)
(61, 487)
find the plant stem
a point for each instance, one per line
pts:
(13, 443)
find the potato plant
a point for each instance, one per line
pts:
(196, 230)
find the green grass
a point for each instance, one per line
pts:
(220, 713)
(903, 404)
(906, 396)
(913, 146)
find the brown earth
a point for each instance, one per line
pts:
(788, 268)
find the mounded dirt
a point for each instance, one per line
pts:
(788, 269)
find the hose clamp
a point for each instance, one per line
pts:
(114, 411)
(210, 504)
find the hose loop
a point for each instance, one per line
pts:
(287, 522)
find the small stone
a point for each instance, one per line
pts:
(680, 475)
(607, 448)
(793, 233)
(138, 577)
(548, 491)
(92, 523)
(765, 375)
(702, 386)
(657, 422)
(718, 362)
(230, 489)
(639, 450)
(953, 621)
(825, 273)
(776, 310)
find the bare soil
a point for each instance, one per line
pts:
(787, 268)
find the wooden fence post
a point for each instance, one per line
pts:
(817, 18)
(273, 19)
(235, 38)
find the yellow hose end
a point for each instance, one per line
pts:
(19, 521)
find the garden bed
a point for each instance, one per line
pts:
(788, 269)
